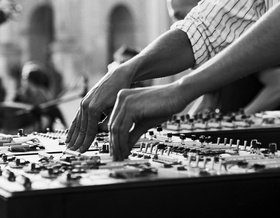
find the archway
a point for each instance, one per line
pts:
(121, 30)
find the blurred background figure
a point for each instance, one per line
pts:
(35, 90)
(34, 85)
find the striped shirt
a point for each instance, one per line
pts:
(214, 24)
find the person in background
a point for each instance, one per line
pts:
(35, 90)
(183, 46)
(34, 85)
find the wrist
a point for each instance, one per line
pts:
(135, 69)
(187, 90)
(128, 71)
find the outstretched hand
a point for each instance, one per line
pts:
(99, 100)
(138, 110)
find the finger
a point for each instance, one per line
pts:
(116, 150)
(71, 130)
(75, 128)
(134, 136)
(141, 128)
(83, 128)
(91, 131)
(120, 127)
(113, 151)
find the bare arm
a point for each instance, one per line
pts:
(146, 108)
(257, 49)
(169, 54)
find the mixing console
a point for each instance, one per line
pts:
(238, 126)
(216, 121)
(165, 169)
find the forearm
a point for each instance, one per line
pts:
(267, 99)
(169, 54)
(258, 49)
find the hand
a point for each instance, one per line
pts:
(100, 99)
(138, 110)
